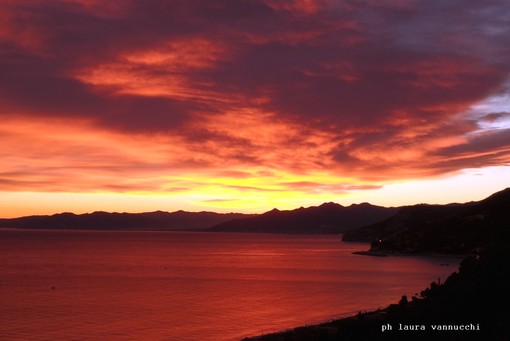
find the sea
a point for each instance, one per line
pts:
(128, 285)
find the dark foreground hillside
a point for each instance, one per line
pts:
(452, 229)
(472, 304)
(475, 300)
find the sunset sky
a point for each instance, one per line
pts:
(246, 105)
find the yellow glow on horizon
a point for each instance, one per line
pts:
(469, 185)
(80, 169)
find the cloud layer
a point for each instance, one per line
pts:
(301, 96)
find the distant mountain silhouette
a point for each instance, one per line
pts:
(326, 218)
(407, 218)
(454, 228)
(158, 220)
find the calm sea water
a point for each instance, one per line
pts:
(90, 285)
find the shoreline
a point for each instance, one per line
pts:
(372, 253)
(326, 328)
(330, 328)
(460, 308)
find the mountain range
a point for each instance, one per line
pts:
(179, 220)
(454, 228)
(326, 218)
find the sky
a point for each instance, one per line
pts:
(246, 105)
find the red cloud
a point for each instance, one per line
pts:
(373, 91)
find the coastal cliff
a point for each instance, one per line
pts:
(446, 229)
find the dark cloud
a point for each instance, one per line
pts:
(39, 88)
(488, 142)
(495, 116)
(350, 69)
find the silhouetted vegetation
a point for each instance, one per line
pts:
(476, 297)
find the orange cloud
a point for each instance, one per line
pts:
(247, 102)
(161, 71)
